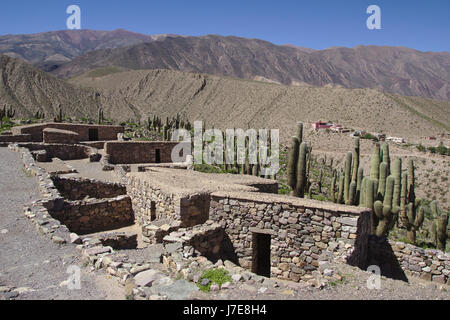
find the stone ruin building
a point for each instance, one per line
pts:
(128, 194)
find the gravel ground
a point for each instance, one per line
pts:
(32, 266)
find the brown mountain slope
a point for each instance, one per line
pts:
(28, 90)
(220, 101)
(48, 50)
(389, 69)
(228, 102)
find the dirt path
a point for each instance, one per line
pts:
(31, 266)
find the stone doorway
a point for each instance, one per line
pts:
(153, 211)
(261, 254)
(158, 156)
(93, 134)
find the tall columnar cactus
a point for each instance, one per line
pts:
(359, 184)
(356, 154)
(292, 163)
(301, 171)
(347, 178)
(382, 180)
(299, 164)
(11, 112)
(375, 164)
(60, 116)
(384, 209)
(411, 214)
(440, 226)
(340, 194)
(352, 177)
(101, 117)
(385, 157)
(320, 182)
(300, 131)
(166, 132)
(333, 186)
(2, 115)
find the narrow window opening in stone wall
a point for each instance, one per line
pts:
(158, 156)
(261, 254)
(153, 211)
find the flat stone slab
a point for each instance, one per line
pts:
(179, 290)
(146, 278)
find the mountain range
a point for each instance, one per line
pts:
(48, 50)
(223, 102)
(397, 70)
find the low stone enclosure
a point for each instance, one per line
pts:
(81, 206)
(44, 152)
(230, 217)
(118, 152)
(85, 132)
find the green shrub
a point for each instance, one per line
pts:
(421, 148)
(442, 150)
(218, 276)
(284, 189)
(207, 168)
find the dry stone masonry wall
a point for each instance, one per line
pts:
(103, 132)
(93, 215)
(78, 189)
(140, 152)
(51, 135)
(299, 231)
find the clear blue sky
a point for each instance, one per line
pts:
(419, 24)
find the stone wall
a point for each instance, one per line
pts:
(95, 215)
(15, 138)
(78, 189)
(36, 130)
(151, 203)
(139, 152)
(300, 229)
(62, 151)
(51, 135)
(398, 260)
(94, 144)
(205, 239)
(145, 198)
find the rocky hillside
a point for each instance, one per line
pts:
(48, 50)
(389, 69)
(220, 101)
(28, 90)
(228, 102)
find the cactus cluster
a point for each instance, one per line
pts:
(349, 181)
(39, 115)
(7, 113)
(389, 193)
(411, 212)
(60, 116)
(299, 164)
(246, 168)
(156, 124)
(439, 226)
